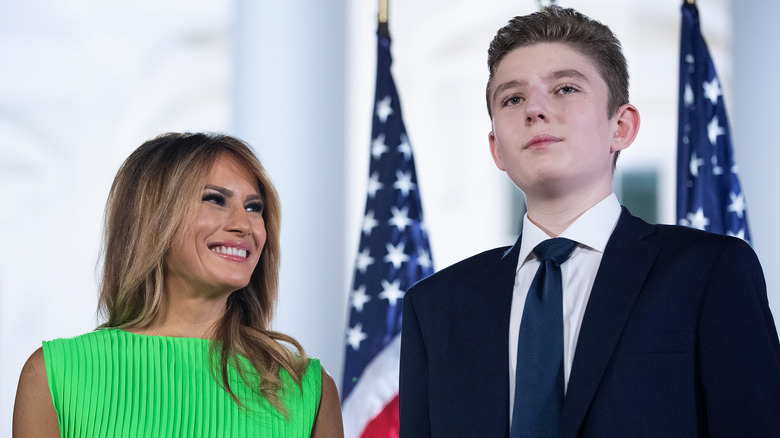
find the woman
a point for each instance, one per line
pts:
(191, 261)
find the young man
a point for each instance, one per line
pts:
(666, 331)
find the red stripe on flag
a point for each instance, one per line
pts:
(384, 425)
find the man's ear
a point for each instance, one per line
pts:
(627, 127)
(494, 151)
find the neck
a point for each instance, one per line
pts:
(188, 316)
(554, 215)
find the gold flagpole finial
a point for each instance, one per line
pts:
(691, 2)
(384, 5)
(545, 3)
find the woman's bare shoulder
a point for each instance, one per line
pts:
(328, 422)
(34, 414)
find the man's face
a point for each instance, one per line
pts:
(551, 131)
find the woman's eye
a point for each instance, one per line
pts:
(254, 207)
(214, 198)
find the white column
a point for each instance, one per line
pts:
(757, 131)
(288, 91)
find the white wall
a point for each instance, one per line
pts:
(82, 84)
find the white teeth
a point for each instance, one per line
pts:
(230, 251)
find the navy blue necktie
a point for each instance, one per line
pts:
(539, 387)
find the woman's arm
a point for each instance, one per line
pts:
(34, 414)
(327, 423)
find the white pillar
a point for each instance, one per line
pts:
(289, 105)
(757, 131)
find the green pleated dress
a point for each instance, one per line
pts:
(112, 383)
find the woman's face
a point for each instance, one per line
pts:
(219, 253)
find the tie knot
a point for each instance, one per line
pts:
(558, 250)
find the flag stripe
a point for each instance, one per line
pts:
(377, 388)
(384, 425)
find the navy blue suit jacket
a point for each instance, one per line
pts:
(677, 341)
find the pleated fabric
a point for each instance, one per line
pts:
(112, 383)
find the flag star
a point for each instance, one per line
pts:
(369, 222)
(359, 298)
(404, 182)
(716, 170)
(424, 259)
(378, 146)
(384, 109)
(405, 147)
(714, 130)
(374, 184)
(698, 220)
(739, 234)
(400, 218)
(396, 255)
(691, 62)
(712, 90)
(696, 162)
(688, 95)
(355, 336)
(392, 291)
(364, 260)
(737, 204)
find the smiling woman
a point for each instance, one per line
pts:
(224, 241)
(191, 261)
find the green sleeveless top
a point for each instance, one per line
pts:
(112, 383)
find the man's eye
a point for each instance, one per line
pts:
(214, 198)
(567, 89)
(514, 100)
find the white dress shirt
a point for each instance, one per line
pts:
(591, 231)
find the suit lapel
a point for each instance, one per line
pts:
(624, 267)
(488, 304)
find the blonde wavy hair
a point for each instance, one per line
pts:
(155, 193)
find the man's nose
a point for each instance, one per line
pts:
(536, 106)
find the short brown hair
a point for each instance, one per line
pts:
(557, 25)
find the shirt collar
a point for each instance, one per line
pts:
(592, 229)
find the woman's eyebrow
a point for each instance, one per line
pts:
(227, 192)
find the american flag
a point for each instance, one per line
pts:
(709, 196)
(393, 255)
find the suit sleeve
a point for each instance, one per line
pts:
(413, 389)
(738, 350)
